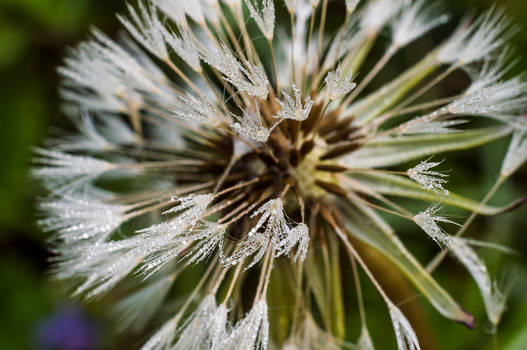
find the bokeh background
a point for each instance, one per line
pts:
(35, 312)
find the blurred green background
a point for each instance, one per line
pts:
(34, 36)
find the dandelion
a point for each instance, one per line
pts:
(207, 137)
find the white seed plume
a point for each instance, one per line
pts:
(427, 220)
(378, 13)
(194, 206)
(233, 3)
(493, 298)
(404, 333)
(251, 126)
(275, 231)
(507, 97)
(304, 62)
(291, 5)
(163, 338)
(88, 137)
(517, 152)
(211, 10)
(178, 10)
(195, 109)
(431, 125)
(277, 228)
(292, 107)
(247, 77)
(492, 71)
(351, 36)
(351, 5)
(75, 218)
(166, 241)
(184, 47)
(103, 76)
(101, 265)
(255, 245)
(207, 238)
(310, 336)
(428, 179)
(252, 332)
(365, 342)
(84, 72)
(136, 309)
(478, 40)
(263, 15)
(109, 133)
(416, 18)
(66, 173)
(205, 328)
(298, 235)
(116, 131)
(146, 27)
(337, 84)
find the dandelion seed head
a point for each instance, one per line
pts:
(240, 139)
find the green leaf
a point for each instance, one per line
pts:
(364, 223)
(400, 186)
(388, 152)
